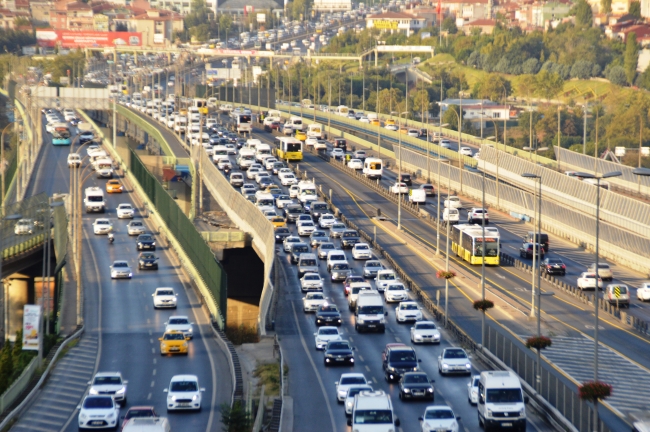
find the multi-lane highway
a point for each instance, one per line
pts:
(122, 324)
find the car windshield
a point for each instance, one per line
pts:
(361, 247)
(148, 255)
(308, 262)
(387, 276)
(173, 336)
(99, 222)
(178, 321)
(504, 395)
(373, 417)
(145, 238)
(439, 414)
(327, 246)
(125, 206)
(328, 309)
(455, 354)
(315, 296)
(554, 261)
(300, 249)
(340, 267)
(136, 224)
(312, 277)
(184, 386)
(137, 412)
(416, 379)
(338, 226)
(402, 356)
(165, 293)
(353, 391)
(120, 264)
(328, 331)
(282, 231)
(408, 306)
(98, 402)
(352, 380)
(425, 326)
(107, 380)
(396, 288)
(318, 234)
(338, 346)
(373, 264)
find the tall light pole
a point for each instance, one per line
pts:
(5, 297)
(440, 162)
(447, 246)
(399, 179)
(598, 178)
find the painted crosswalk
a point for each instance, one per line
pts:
(574, 355)
(64, 389)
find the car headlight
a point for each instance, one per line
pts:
(121, 391)
(430, 390)
(139, 244)
(468, 365)
(390, 369)
(195, 397)
(83, 416)
(489, 413)
(349, 404)
(522, 413)
(93, 391)
(184, 344)
(163, 345)
(153, 244)
(342, 393)
(445, 366)
(407, 390)
(111, 415)
(418, 337)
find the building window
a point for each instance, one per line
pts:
(496, 114)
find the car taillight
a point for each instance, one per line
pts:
(563, 266)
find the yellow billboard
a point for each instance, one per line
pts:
(385, 24)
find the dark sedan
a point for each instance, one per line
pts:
(349, 238)
(328, 315)
(406, 178)
(146, 241)
(148, 261)
(415, 385)
(338, 353)
(291, 212)
(281, 233)
(553, 266)
(317, 237)
(526, 250)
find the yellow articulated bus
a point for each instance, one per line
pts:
(289, 148)
(467, 242)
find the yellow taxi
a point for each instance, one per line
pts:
(273, 189)
(403, 130)
(114, 186)
(300, 135)
(174, 342)
(375, 122)
(389, 122)
(278, 222)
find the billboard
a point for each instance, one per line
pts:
(222, 73)
(31, 327)
(261, 18)
(385, 24)
(86, 38)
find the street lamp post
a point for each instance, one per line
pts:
(5, 297)
(638, 171)
(440, 162)
(399, 178)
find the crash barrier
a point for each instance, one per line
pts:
(557, 400)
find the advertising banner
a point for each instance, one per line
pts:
(405, 48)
(234, 52)
(31, 327)
(385, 24)
(261, 18)
(86, 38)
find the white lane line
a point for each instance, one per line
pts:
(153, 351)
(397, 339)
(360, 357)
(313, 365)
(153, 383)
(368, 368)
(374, 380)
(151, 340)
(155, 360)
(153, 372)
(149, 396)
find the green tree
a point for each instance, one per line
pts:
(635, 9)
(584, 15)
(631, 57)
(225, 23)
(491, 86)
(616, 75)
(548, 84)
(235, 419)
(419, 102)
(450, 116)
(606, 6)
(6, 366)
(449, 25)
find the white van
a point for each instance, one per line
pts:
(225, 108)
(295, 122)
(274, 113)
(252, 143)
(500, 392)
(373, 168)
(103, 167)
(342, 110)
(180, 124)
(369, 313)
(372, 411)
(418, 196)
(262, 151)
(315, 130)
(246, 158)
(147, 424)
(307, 191)
(94, 200)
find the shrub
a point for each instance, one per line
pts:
(443, 274)
(483, 305)
(538, 342)
(593, 391)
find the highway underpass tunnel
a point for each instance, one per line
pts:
(245, 272)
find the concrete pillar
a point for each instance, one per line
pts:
(17, 296)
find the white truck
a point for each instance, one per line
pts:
(500, 392)
(369, 313)
(307, 191)
(372, 411)
(315, 130)
(94, 200)
(373, 168)
(418, 196)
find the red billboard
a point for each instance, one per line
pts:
(87, 39)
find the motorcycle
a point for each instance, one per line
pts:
(111, 238)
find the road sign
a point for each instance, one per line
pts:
(410, 192)
(617, 291)
(385, 24)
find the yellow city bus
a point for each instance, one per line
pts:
(466, 242)
(201, 104)
(289, 148)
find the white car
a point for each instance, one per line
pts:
(453, 202)
(446, 144)
(74, 160)
(395, 292)
(184, 393)
(311, 141)
(399, 188)
(391, 127)
(326, 334)
(643, 293)
(361, 251)
(587, 280)
(164, 298)
(326, 220)
(312, 301)
(294, 190)
(125, 211)
(364, 119)
(454, 360)
(384, 278)
(439, 418)
(413, 133)
(98, 412)
(268, 162)
(250, 174)
(180, 323)
(320, 145)
(24, 227)
(223, 163)
(102, 226)
(311, 281)
(135, 228)
(121, 270)
(306, 228)
(288, 179)
(109, 383)
(408, 311)
(425, 331)
(356, 164)
(472, 389)
(338, 153)
(94, 150)
(466, 151)
(349, 398)
(284, 171)
(232, 149)
(346, 381)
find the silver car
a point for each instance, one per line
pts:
(289, 241)
(337, 229)
(318, 237)
(121, 270)
(340, 271)
(324, 248)
(371, 267)
(135, 228)
(311, 282)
